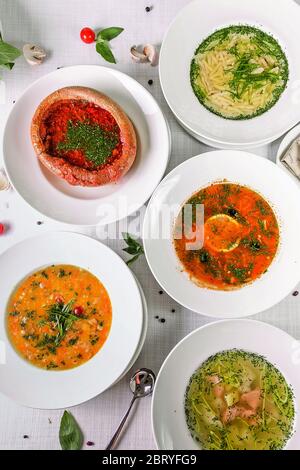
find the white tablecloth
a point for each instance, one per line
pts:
(56, 24)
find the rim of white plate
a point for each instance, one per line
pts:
(214, 121)
(37, 388)
(89, 206)
(189, 370)
(241, 168)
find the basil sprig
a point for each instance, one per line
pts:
(102, 42)
(133, 248)
(8, 54)
(70, 434)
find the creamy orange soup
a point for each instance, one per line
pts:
(59, 317)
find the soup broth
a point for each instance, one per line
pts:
(239, 401)
(239, 72)
(241, 237)
(59, 317)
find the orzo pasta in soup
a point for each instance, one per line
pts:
(239, 72)
(59, 317)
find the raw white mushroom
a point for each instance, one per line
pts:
(4, 183)
(151, 53)
(34, 54)
(138, 56)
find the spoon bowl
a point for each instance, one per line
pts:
(142, 383)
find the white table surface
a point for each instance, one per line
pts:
(56, 25)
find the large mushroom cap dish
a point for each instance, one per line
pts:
(83, 137)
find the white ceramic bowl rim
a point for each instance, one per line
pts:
(168, 418)
(194, 23)
(39, 388)
(76, 205)
(239, 167)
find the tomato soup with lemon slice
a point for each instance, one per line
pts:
(59, 317)
(240, 237)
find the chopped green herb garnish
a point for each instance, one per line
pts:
(96, 143)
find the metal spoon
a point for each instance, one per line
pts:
(141, 384)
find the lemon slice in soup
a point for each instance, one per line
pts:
(222, 233)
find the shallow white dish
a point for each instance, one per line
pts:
(57, 199)
(38, 388)
(168, 417)
(217, 145)
(196, 22)
(222, 146)
(144, 331)
(247, 169)
(285, 144)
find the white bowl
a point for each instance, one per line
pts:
(39, 388)
(144, 331)
(284, 145)
(262, 176)
(197, 21)
(168, 417)
(76, 205)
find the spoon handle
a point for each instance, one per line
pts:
(115, 437)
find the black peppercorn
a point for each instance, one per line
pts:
(232, 212)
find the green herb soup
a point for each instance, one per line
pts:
(239, 72)
(239, 401)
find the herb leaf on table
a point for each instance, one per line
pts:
(70, 434)
(108, 34)
(102, 42)
(133, 248)
(8, 54)
(104, 50)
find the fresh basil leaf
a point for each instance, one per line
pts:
(8, 66)
(70, 435)
(104, 50)
(133, 248)
(132, 260)
(8, 53)
(108, 34)
(130, 250)
(130, 240)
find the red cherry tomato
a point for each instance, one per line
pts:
(2, 229)
(87, 35)
(78, 311)
(59, 299)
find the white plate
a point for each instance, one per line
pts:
(38, 388)
(144, 330)
(285, 144)
(217, 145)
(168, 417)
(197, 21)
(239, 167)
(57, 199)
